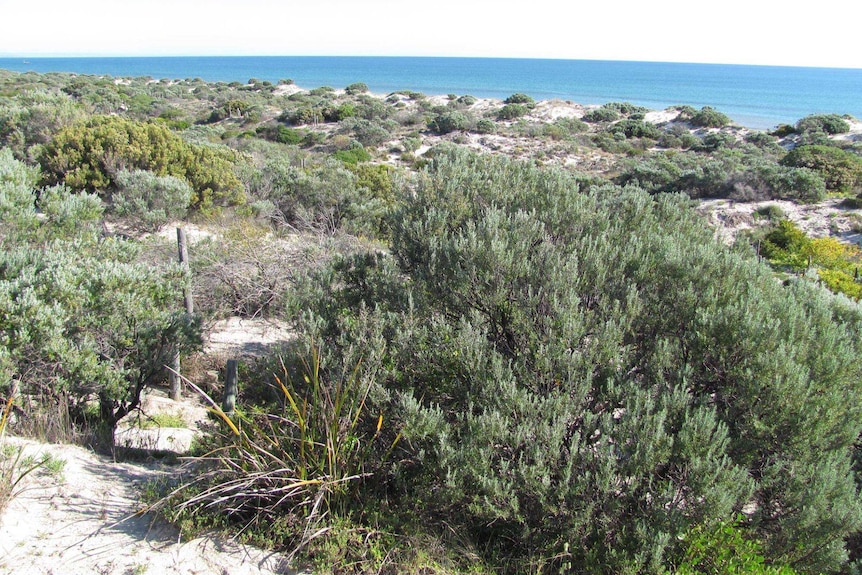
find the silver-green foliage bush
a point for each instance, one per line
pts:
(581, 379)
(81, 319)
(150, 200)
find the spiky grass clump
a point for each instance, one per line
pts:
(279, 476)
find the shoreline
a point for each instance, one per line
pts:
(753, 96)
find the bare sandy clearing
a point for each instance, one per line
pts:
(824, 219)
(86, 522)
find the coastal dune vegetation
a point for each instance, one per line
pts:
(519, 345)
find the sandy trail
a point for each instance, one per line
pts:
(85, 521)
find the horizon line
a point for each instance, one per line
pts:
(62, 55)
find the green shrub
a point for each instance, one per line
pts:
(520, 99)
(369, 133)
(708, 117)
(716, 140)
(602, 114)
(353, 155)
(828, 123)
(841, 170)
(321, 91)
(485, 126)
(635, 129)
(783, 130)
(724, 549)
(231, 109)
(285, 135)
(512, 112)
(590, 358)
(626, 108)
(82, 320)
(771, 212)
(148, 200)
(448, 122)
(466, 100)
(87, 156)
(356, 88)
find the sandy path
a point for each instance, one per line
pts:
(84, 522)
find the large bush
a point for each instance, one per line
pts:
(708, 117)
(89, 155)
(840, 169)
(447, 122)
(828, 123)
(81, 321)
(582, 381)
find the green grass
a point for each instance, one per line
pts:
(162, 420)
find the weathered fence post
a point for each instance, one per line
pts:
(183, 250)
(231, 385)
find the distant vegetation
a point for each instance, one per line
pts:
(528, 356)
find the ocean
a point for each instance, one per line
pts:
(759, 97)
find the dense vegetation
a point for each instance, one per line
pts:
(502, 364)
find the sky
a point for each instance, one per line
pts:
(768, 32)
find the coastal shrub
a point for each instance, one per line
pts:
(372, 108)
(696, 175)
(31, 119)
(353, 154)
(448, 122)
(677, 136)
(520, 99)
(231, 109)
(346, 110)
(89, 155)
(590, 358)
(370, 133)
(635, 129)
(765, 141)
(411, 144)
(325, 197)
(356, 88)
(708, 117)
(625, 108)
(82, 320)
(512, 111)
(602, 114)
(302, 115)
(828, 123)
(840, 170)
(716, 140)
(285, 135)
(783, 130)
(771, 212)
(148, 200)
(321, 91)
(466, 100)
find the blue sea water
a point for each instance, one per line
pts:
(760, 97)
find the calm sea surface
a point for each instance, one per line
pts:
(756, 96)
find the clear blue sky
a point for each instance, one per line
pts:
(818, 33)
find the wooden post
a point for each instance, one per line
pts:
(231, 386)
(183, 251)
